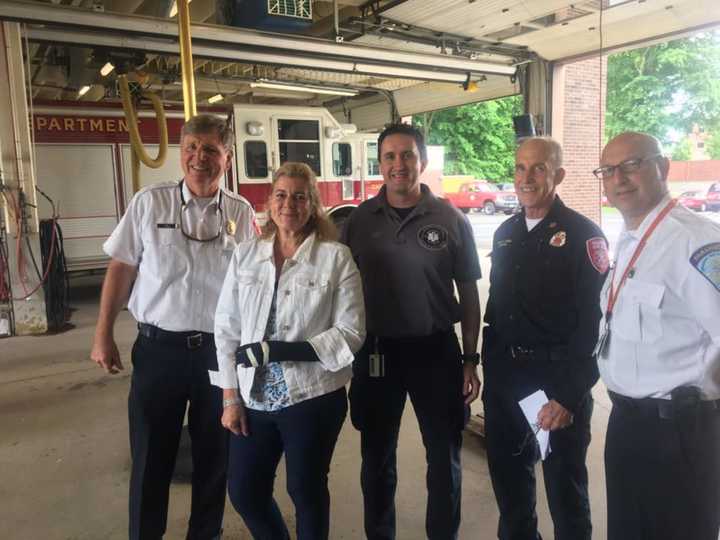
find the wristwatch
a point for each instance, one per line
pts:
(229, 402)
(472, 357)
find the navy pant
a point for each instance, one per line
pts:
(663, 474)
(306, 432)
(165, 378)
(429, 369)
(512, 455)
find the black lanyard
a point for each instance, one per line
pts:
(218, 210)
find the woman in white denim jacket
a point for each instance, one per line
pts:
(289, 320)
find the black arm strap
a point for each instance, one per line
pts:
(292, 351)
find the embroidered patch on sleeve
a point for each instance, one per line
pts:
(598, 253)
(706, 260)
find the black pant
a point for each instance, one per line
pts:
(306, 432)
(430, 371)
(507, 433)
(165, 378)
(663, 474)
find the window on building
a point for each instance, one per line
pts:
(373, 165)
(701, 145)
(299, 140)
(256, 165)
(342, 159)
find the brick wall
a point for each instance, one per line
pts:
(695, 171)
(578, 118)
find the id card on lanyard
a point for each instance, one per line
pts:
(602, 347)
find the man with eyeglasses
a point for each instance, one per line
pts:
(169, 254)
(548, 265)
(659, 354)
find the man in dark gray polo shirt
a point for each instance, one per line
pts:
(412, 250)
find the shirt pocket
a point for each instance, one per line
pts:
(313, 297)
(639, 319)
(225, 252)
(165, 255)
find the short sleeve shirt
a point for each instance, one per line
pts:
(178, 281)
(408, 266)
(665, 326)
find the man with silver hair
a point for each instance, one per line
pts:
(659, 354)
(169, 255)
(548, 265)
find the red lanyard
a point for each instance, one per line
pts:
(613, 295)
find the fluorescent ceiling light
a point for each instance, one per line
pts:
(84, 90)
(174, 9)
(216, 98)
(308, 89)
(106, 69)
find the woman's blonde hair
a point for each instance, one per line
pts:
(319, 221)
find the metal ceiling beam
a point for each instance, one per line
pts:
(234, 40)
(80, 38)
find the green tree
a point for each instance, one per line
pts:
(671, 85)
(478, 138)
(682, 151)
(712, 145)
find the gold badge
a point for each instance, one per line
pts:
(558, 239)
(230, 226)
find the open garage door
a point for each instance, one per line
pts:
(394, 57)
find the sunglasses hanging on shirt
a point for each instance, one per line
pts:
(218, 210)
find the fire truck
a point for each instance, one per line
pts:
(83, 161)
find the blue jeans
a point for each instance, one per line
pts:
(306, 432)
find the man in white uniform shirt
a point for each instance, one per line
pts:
(659, 354)
(169, 255)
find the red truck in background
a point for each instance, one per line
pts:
(483, 196)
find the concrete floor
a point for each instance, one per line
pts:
(64, 455)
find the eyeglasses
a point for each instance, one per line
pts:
(218, 210)
(627, 166)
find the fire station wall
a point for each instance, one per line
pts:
(578, 124)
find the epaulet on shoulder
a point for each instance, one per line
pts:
(159, 186)
(155, 188)
(236, 197)
(586, 221)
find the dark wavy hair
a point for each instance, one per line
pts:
(319, 222)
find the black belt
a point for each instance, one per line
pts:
(189, 340)
(664, 408)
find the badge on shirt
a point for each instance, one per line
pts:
(433, 237)
(167, 226)
(558, 239)
(230, 226)
(504, 243)
(706, 260)
(598, 254)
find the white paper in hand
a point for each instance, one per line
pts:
(531, 406)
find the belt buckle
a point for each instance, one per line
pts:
(194, 341)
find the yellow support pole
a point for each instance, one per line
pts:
(186, 60)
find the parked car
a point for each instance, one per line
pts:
(694, 200)
(712, 199)
(483, 196)
(506, 186)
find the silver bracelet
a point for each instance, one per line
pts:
(231, 401)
